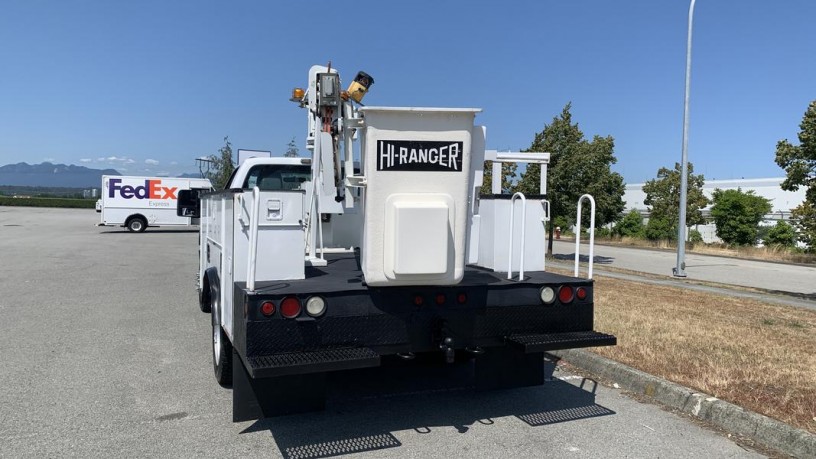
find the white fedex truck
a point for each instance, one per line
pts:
(139, 202)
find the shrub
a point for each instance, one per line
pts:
(782, 234)
(659, 228)
(737, 215)
(603, 232)
(695, 237)
(631, 225)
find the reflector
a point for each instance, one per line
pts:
(315, 306)
(547, 295)
(268, 308)
(581, 293)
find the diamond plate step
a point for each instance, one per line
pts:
(294, 363)
(556, 341)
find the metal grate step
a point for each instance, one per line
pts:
(294, 363)
(557, 341)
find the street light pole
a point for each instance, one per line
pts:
(680, 269)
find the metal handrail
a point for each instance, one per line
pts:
(253, 238)
(517, 195)
(591, 234)
(545, 219)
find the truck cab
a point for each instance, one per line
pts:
(272, 174)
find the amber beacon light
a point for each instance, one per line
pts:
(297, 94)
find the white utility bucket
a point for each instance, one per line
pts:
(417, 169)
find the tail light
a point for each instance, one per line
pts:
(461, 298)
(440, 298)
(418, 300)
(290, 307)
(267, 308)
(581, 293)
(565, 294)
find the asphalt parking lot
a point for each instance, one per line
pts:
(105, 353)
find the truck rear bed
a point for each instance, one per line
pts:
(484, 310)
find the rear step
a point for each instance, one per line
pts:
(557, 341)
(296, 363)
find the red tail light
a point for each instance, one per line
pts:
(268, 308)
(581, 293)
(418, 300)
(440, 298)
(290, 307)
(461, 298)
(565, 294)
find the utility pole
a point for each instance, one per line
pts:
(680, 269)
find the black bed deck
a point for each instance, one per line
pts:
(344, 274)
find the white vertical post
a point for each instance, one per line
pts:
(591, 235)
(542, 186)
(546, 205)
(348, 154)
(517, 195)
(253, 238)
(496, 180)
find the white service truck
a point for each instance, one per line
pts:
(361, 254)
(139, 202)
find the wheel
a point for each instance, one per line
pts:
(136, 224)
(222, 348)
(204, 296)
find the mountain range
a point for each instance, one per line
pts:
(55, 175)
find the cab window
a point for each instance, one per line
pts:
(278, 177)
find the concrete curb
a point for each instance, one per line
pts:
(770, 432)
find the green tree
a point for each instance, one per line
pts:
(737, 215)
(663, 195)
(660, 228)
(221, 166)
(799, 162)
(508, 173)
(577, 166)
(291, 149)
(782, 234)
(631, 225)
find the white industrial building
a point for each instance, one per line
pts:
(781, 201)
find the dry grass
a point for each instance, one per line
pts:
(772, 253)
(757, 355)
(775, 253)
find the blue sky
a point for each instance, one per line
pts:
(148, 86)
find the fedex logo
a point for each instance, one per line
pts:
(152, 189)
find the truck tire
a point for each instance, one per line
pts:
(136, 224)
(205, 295)
(222, 348)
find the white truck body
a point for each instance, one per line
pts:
(353, 255)
(225, 228)
(139, 202)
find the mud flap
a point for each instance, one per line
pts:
(507, 368)
(267, 397)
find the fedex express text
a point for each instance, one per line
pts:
(152, 189)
